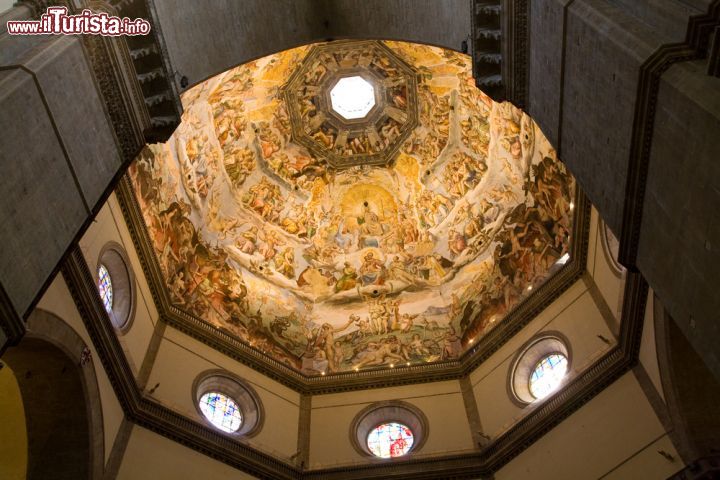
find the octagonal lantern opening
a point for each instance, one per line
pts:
(352, 97)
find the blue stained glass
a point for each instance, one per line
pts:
(390, 440)
(222, 411)
(548, 375)
(105, 287)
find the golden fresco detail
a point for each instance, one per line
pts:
(332, 264)
(328, 135)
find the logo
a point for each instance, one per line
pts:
(56, 21)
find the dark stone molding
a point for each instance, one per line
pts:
(150, 355)
(132, 73)
(349, 381)
(38, 7)
(302, 456)
(488, 32)
(714, 54)
(154, 73)
(107, 57)
(113, 75)
(694, 47)
(473, 413)
(500, 32)
(701, 469)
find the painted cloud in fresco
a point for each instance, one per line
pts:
(364, 267)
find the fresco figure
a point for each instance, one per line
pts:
(348, 280)
(372, 270)
(404, 262)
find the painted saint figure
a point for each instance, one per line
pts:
(372, 270)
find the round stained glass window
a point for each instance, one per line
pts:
(221, 411)
(390, 440)
(547, 375)
(105, 287)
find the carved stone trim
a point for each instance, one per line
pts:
(114, 76)
(489, 31)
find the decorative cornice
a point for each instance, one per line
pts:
(134, 79)
(500, 31)
(488, 31)
(225, 343)
(105, 57)
(694, 47)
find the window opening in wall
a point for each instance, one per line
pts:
(390, 440)
(352, 97)
(547, 375)
(105, 287)
(222, 411)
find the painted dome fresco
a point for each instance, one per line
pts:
(353, 205)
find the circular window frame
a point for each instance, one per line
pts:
(526, 360)
(115, 260)
(394, 411)
(239, 391)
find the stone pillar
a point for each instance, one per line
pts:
(75, 111)
(621, 87)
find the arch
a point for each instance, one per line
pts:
(691, 390)
(61, 399)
